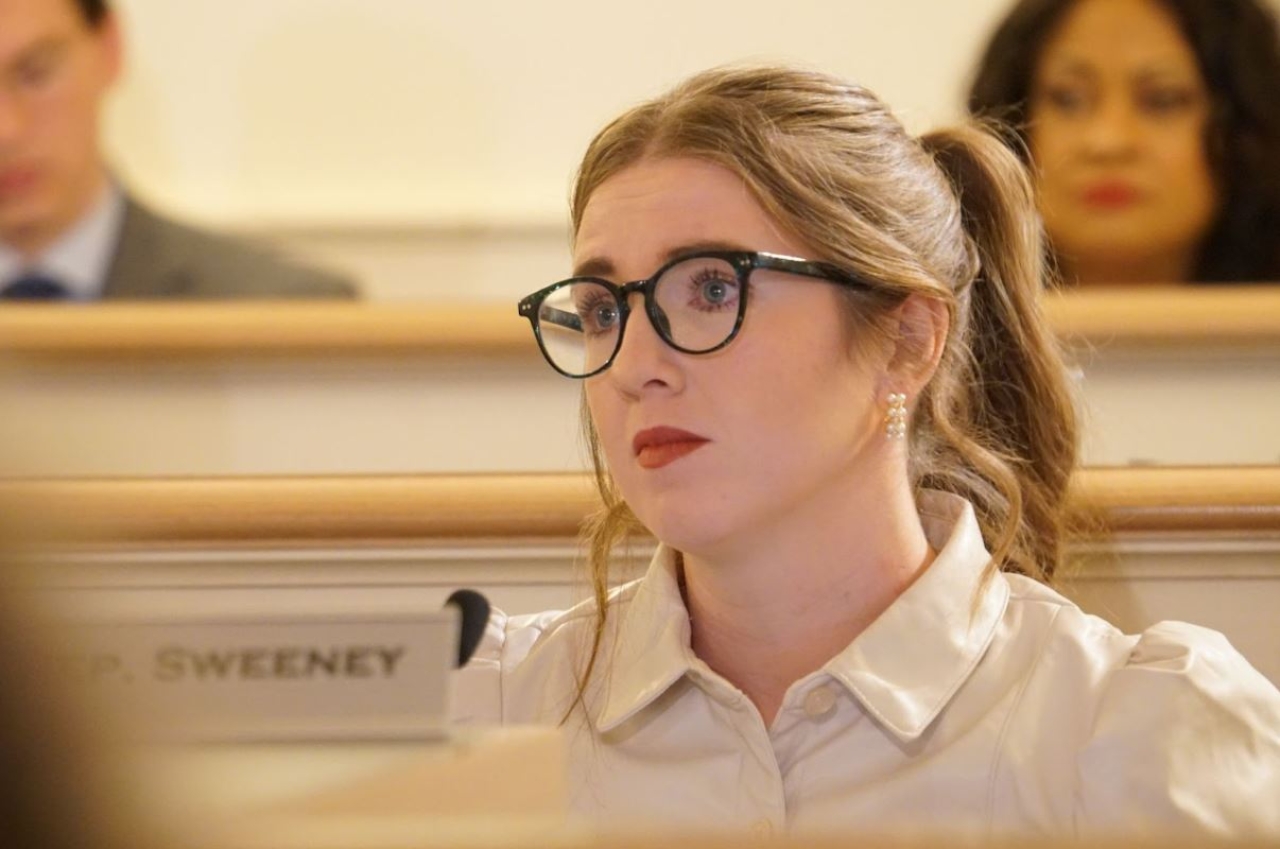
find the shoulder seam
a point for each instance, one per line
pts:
(1032, 598)
(585, 611)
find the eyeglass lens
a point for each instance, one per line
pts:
(697, 302)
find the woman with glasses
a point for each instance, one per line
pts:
(815, 370)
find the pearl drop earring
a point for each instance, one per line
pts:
(895, 420)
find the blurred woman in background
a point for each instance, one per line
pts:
(1154, 129)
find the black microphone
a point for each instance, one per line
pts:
(475, 616)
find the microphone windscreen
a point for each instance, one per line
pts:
(475, 616)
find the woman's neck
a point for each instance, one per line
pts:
(793, 596)
(1130, 271)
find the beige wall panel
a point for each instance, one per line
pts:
(423, 414)
(278, 417)
(341, 110)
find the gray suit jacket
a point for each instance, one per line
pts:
(160, 258)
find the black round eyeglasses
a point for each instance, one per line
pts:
(695, 302)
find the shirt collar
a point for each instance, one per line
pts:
(81, 257)
(904, 668)
(652, 651)
(914, 657)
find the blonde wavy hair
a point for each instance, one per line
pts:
(950, 216)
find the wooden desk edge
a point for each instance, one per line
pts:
(354, 509)
(1230, 316)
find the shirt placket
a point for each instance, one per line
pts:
(808, 701)
(762, 795)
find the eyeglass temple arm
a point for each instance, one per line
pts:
(561, 318)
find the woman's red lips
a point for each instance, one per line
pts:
(659, 446)
(14, 181)
(1110, 195)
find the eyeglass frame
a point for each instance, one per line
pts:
(743, 262)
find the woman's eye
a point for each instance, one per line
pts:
(606, 316)
(599, 317)
(1163, 101)
(712, 291)
(1064, 99)
(35, 72)
(715, 292)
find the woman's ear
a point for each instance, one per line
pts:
(922, 327)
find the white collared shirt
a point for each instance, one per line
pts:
(80, 259)
(1017, 715)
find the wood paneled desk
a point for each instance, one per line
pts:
(1181, 376)
(1198, 544)
(1201, 544)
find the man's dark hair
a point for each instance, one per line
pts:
(93, 11)
(1237, 46)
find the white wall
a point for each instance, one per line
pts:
(426, 112)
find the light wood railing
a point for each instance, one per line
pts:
(1238, 316)
(357, 509)
(1173, 317)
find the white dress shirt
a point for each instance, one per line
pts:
(968, 707)
(80, 259)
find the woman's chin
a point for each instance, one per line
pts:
(697, 534)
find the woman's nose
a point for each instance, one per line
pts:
(644, 361)
(1113, 131)
(13, 118)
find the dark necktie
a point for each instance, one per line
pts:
(34, 287)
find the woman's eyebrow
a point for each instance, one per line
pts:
(1070, 67)
(596, 266)
(599, 266)
(702, 247)
(1168, 72)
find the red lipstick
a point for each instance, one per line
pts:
(656, 447)
(15, 181)
(1112, 195)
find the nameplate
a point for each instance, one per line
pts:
(275, 678)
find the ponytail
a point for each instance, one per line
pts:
(997, 425)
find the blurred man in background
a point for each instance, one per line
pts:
(67, 229)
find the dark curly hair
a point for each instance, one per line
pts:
(1237, 46)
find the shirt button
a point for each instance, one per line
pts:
(819, 701)
(762, 828)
